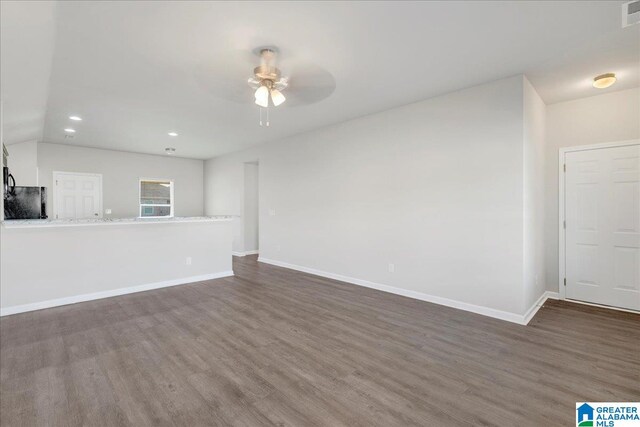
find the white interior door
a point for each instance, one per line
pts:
(77, 195)
(602, 210)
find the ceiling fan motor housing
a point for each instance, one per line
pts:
(266, 73)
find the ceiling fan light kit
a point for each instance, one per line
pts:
(262, 96)
(268, 82)
(277, 97)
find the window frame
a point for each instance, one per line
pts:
(171, 205)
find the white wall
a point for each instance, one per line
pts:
(41, 266)
(121, 173)
(224, 178)
(434, 187)
(610, 117)
(533, 193)
(23, 163)
(251, 213)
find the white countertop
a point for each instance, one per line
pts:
(40, 223)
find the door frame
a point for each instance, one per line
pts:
(561, 206)
(55, 196)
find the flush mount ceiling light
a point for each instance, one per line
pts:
(268, 82)
(603, 81)
(172, 134)
(75, 118)
(170, 150)
(69, 130)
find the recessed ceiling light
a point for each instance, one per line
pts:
(70, 130)
(75, 118)
(170, 150)
(172, 134)
(604, 80)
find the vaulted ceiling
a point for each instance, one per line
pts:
(135, 71)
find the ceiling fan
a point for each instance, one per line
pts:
(303, 81)
(267, 80)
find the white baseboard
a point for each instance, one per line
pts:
(236, 253)
(111, 293)
(478, 309)
(536, 305)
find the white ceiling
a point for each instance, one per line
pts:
(137, 70)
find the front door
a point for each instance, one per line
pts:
(602, 208)
(77, 195)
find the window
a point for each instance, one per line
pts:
(156, 198)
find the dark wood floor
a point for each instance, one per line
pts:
(273, 346)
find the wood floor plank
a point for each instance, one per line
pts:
(272, 346)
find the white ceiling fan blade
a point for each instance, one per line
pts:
(281, 84)
(253, 83)
(226, 75)
(307, 83)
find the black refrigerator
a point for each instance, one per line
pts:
(25, 203)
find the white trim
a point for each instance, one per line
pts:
(609, 307)
(245, 253)
(7, 311)
(625, 143)
(552, 295)
(78, 173)
(537, 305)
(562, 268)
(561, 236)
(54, 194)
(485, 311)
(171, 193)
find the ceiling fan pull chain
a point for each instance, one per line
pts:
(260, 108)
(267, 115)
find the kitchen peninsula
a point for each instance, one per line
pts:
(48, 263)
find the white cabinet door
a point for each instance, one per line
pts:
(602, 208)
(77, 195)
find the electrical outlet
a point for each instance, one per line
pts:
(272, 212)
(107, 211)
(392, 268)
(188, 260)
